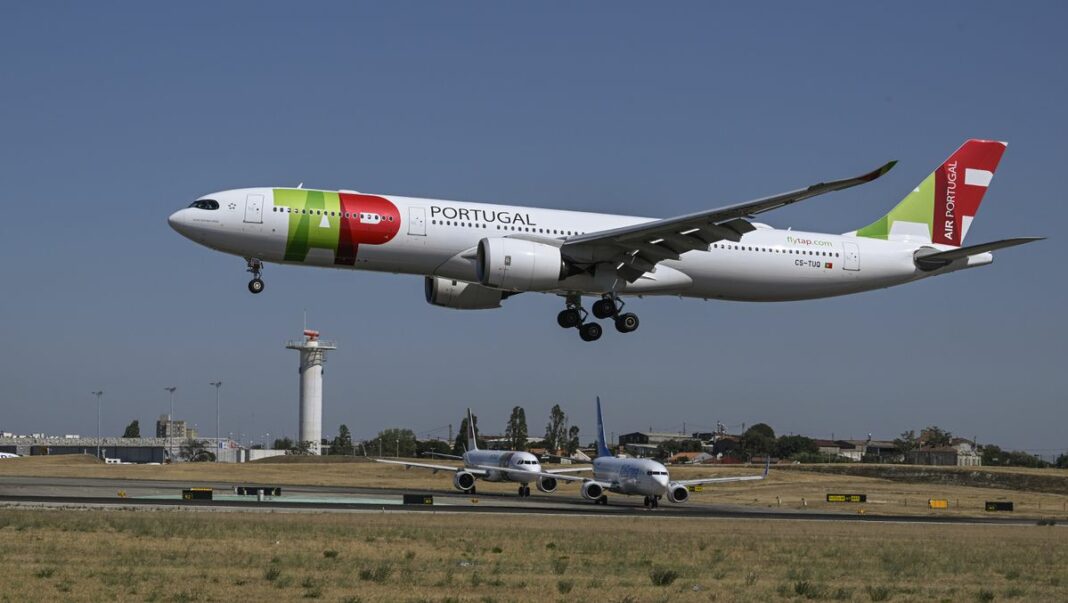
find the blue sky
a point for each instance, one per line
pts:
(114, 115)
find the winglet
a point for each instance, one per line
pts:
(472, 442)
(602, 447)
(879, 172)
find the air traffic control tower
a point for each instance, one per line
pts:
(312, 357)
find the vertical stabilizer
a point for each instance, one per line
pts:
(472, 444)
(602, 447)
(941, 209)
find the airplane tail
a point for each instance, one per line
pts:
(472, 443)
(602, 447)
(941, 209)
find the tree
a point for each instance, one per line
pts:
(933, 436)
(342, 444)
(459, 446)
(556, 435)
(790, 446)
(424, 447)
(907, 442)
(393, 442)
(572, 440)
(196, 451)
(283, 444)
(1062, 461)
(516, 430)
(758, 439)
(133, 430)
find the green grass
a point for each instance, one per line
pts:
(206, 556)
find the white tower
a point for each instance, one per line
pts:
(312, 357)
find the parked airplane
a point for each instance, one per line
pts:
(624, 475)
(8, 455)
(493, 466)
(475, 255)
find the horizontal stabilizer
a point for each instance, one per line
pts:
(928, 258)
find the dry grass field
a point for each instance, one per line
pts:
(785, 488)
(230, 556)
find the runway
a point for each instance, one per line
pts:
(151, 494)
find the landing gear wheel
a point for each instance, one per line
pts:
(626, 323)
(647, 502)
(526, 491)
(472, 491)
(603, 500)
(655, 501)
(255, 267)
(604, 308)
(590, 331)
(569, 318)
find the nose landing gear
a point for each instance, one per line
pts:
(255, 267)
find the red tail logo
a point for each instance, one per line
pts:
(960, 183)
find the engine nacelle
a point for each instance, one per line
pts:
(592, 490)
(519, 265)
(463, 481)
(547, 484)
(677, 493)
(460, 295)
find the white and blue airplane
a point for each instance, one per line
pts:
(493, 466)
(643, 477)
(474, 255)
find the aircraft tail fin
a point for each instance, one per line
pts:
(472, 443)
(941, 209)
(602, 446)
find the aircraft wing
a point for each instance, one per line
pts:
(637, 249)
(434, 468)
(723, 480)
(442, 455)
(570, 470)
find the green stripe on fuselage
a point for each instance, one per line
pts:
(310, 223)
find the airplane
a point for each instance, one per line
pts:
(474, 256)
(8, 455)
(630, 476)
(493, 466)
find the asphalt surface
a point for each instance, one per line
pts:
(104, 492)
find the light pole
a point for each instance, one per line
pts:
(170, 421)
(98, 395)
(217, 385)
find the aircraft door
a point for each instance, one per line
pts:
(254, 209)
(851, 256)
(417, 221)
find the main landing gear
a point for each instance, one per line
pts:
(256, 268)
(524, 491)
(609, 306)
(601, 500)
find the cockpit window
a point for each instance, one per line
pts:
(205, 204)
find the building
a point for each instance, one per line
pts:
(167, 427)
(960, 453)
(691, 458)
(840, 448)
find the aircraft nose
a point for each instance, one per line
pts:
(179, 221)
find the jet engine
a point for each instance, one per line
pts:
(463, 481)
(592, 490)
(677, 493)
(519, 265)
(547, 484)
(459, 295)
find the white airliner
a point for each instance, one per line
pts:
(8, 455)
(646, 477)
(493, 466)
(475, 255)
